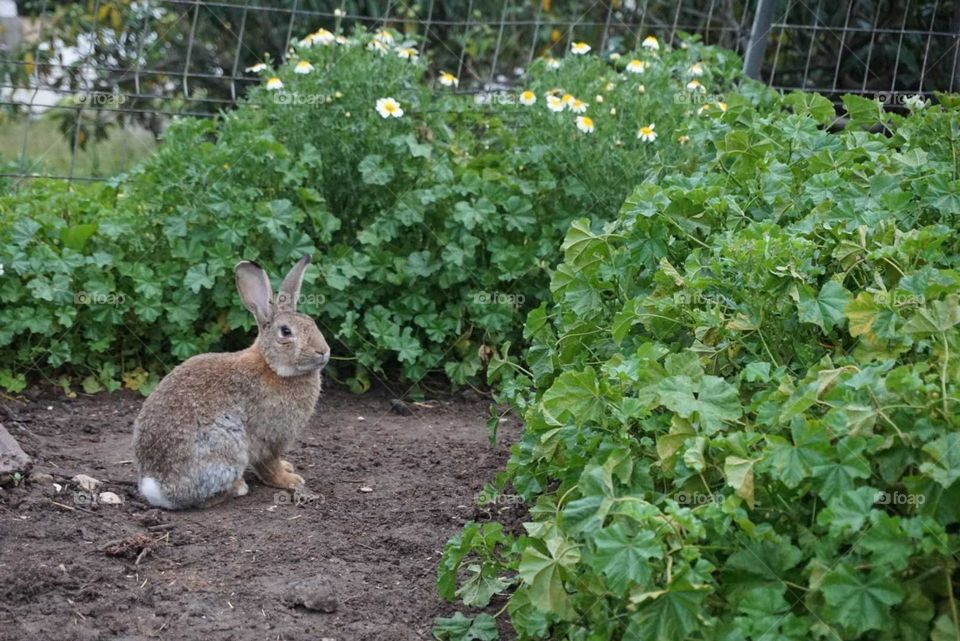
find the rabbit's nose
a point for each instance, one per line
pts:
(324, 356)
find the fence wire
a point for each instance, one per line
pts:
(77, 78)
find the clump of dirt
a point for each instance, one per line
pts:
(353, 559)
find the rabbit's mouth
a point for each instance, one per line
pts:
(314, 364)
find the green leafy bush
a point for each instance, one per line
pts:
(433, 232)
(742, 404)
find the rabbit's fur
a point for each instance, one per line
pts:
(215, 414)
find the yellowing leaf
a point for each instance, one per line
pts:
(739, 473)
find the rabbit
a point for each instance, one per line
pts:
(215, 414)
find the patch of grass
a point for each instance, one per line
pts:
(48, 150)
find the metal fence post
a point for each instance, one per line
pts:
(759, 35)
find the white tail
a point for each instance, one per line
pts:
(150, 490)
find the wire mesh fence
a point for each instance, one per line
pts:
(86, 87)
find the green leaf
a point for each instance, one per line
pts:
(623, 558)
(860, 601)
(541, 573)
(460, 628)
(375, 171)
(940, 316)
(198, 277)
(944, 466)
(574, 395)
(846, 514)
(76, 237)
(813, 105)
(666, 615)
(713, 400)
(826, 309)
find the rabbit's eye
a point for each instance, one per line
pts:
(285, 331)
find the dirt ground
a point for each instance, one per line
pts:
(73, 569)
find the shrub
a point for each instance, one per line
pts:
(433, 232)
(741, 404)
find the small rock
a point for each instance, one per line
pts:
(365, 489)
(360, 418)
(109, 498)
(41, 478)
(86, 483)
(315, 593)
(58, 487)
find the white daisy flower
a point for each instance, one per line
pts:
(303, 67)
(914, 103)
(527, 98)
(585, 124)
(579, 48)
(650, 42)
(408, 53)
(695, 85)
(598, 99)
(553, 64)
(696, 69)
(384, 36)
(378, 46)
(389, 108)
(647, 134)
(555, 105)
(341, 40)
(447, 79)
(614, 57)
(274, 83)
(578, 106)
(257, 68)
(722, 106)
(636, 66)
(323, 37)
(683, 140)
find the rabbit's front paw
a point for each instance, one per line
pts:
(275, 474)
(287, 466)
(240, 488)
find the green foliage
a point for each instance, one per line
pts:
(433, 233)
(742, 403)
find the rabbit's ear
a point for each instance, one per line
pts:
(254, 287)
(290, 287)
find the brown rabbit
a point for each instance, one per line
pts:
(215, 414)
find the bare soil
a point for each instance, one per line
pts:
(73, 568)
